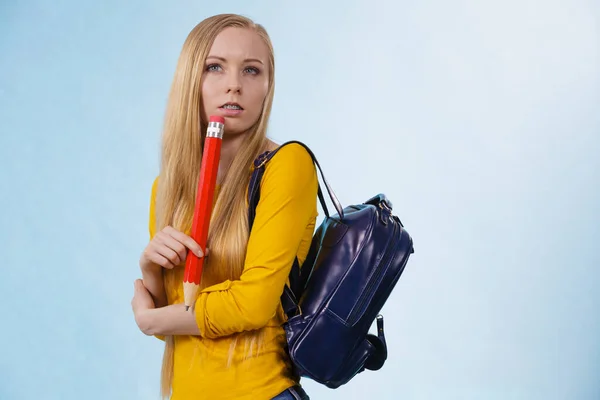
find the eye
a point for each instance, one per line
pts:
(213, 68)
(251, 70)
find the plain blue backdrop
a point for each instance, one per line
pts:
(479, 120)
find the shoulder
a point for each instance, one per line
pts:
(291, 157)
(291, 169)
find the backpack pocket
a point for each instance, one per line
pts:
(370, 288)
(354, 364)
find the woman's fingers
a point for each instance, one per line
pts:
(169, 248)
(157, 258)
(173, 249)
(186, 240)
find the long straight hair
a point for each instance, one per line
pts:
(181, 157)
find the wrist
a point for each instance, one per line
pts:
(149, 267)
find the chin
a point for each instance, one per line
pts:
(234, 126)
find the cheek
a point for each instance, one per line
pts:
(265, 89)
(207, 97)
(210, 88)
(260, 92)
(205, 92)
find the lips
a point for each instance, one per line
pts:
(231, 106)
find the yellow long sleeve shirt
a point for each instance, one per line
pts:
(283, 228)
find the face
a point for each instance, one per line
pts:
(236, 79)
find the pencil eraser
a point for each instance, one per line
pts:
(216, 118)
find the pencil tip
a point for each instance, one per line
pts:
(187, 308)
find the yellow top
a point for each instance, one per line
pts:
(283, 228)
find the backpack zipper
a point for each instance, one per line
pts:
(381, 268)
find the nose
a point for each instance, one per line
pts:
(234, 84)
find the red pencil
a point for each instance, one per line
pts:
(203, 207)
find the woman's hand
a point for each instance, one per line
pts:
(169, 248)
(142, 305)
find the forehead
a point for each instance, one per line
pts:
(235, 44)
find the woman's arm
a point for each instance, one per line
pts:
(287, 206)
(152, 277)
(167, 249)
(169, 320)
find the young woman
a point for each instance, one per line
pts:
(230, 344)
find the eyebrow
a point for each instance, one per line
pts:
(246, 60)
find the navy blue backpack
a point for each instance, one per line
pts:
(355, 259)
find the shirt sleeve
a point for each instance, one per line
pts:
(288, 204)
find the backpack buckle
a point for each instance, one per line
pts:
(387, 212)
(261, 160)
(384, 206)
(380, 201)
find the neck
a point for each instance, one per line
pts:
(229, 148)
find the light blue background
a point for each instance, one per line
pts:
(480, 121)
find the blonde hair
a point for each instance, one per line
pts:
(181, 158)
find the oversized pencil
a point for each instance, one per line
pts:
(203, 207)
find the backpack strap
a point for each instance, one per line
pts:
(298, 278)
